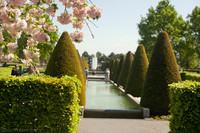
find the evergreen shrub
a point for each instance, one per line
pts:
(125, 69)
(185, 107)
(163, 70)
(137, 75)
(115, 70)
(85, 63)
(190, 76)
(65, 61)
(119, 68)
(39, 104)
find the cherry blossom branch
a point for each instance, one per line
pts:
(90, 30)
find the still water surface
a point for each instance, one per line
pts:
(104, 95)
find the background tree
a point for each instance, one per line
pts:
(188, 53)
(194, 18)
(163, 18)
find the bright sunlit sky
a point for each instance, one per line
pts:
(117, 29)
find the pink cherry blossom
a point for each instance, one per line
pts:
(15, 34)
(94, 12)
(65, 18)
(35, 12)
(18, 2)
(81, 14)
(78, 24)
(49, 1)
(36, 2)
(67, 3)
(1, 36)
(50, 10)
(7, 58)
(12, 46)
(37, 50)
(51, 28)
(27, 62)
(31, 42)
(77, 36)
(41, 37)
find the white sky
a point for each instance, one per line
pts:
(117, 29)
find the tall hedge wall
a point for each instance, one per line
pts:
(119, 68)
(185, 107)
(137, 75)
(163, 70)
(125, 69)
(65, 61)
(39, 104)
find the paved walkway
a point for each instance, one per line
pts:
(94, 125)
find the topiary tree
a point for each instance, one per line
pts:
(125, 69)
(85, 63)
(137, 75)
(162, 71)
(82, 66)
(65, 61)
(112, 69)
(119, 68)
(104, 65)
(110, 64)
(116, 66)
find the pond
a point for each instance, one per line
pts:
(104, 95)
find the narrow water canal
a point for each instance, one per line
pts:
(104, 95)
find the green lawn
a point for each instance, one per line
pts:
(5, 71)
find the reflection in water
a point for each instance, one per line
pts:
(103, 95)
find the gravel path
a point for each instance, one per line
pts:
(94, 125)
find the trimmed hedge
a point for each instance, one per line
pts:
(41, 104)
(137, 74)
(190, 76)
(185, 107)
(125, 69)
(65, 61)
(162, 70)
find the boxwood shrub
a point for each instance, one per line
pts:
(185, 107)
(190, 76)
(39, 104)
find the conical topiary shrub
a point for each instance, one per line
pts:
(85, 63)
(104, 65)
(119, 68)
(82, 66)
(112, 69)
(115, 70)
(125, 69)
(162, 71)
(110, 64)
(65, 61)
(137, 75)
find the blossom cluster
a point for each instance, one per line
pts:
(18, 16)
